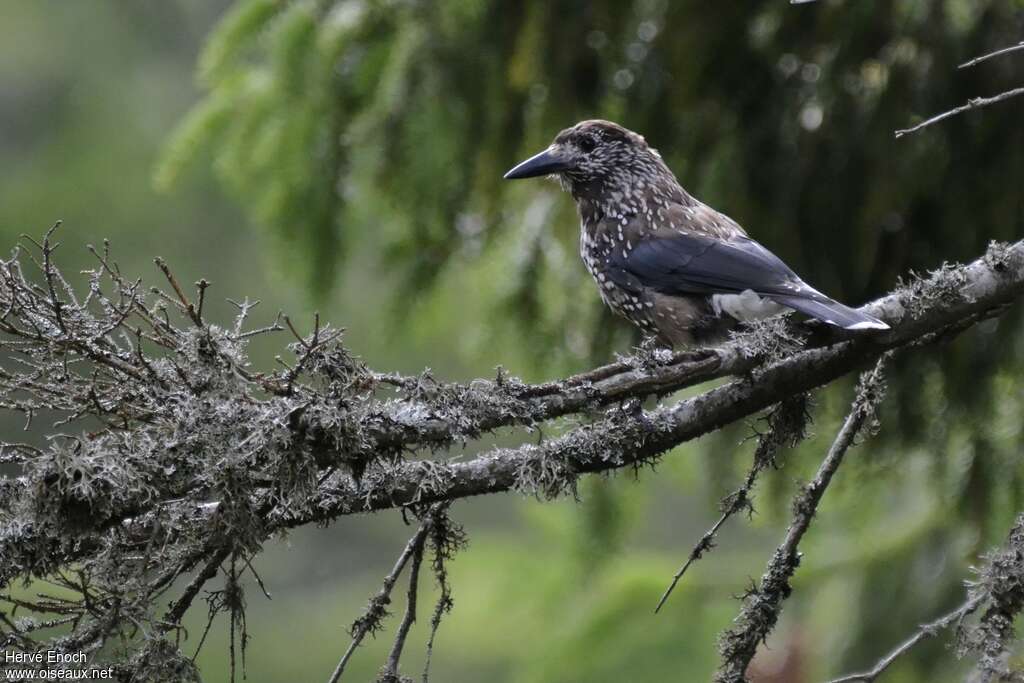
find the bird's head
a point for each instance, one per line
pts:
(595, 157)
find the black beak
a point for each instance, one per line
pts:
(545, 163)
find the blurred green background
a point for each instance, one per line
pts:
(346, 156)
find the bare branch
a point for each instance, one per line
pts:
(990, 55)
(181, 605)
(389, 674)
(974, 103)
(185, 303)
(375, 611)
(929, 630)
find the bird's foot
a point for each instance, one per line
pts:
(651, 353)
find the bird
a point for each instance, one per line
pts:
(681, 271)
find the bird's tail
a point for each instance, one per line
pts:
(831, 312)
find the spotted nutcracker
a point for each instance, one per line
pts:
(683, 272)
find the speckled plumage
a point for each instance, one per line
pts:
(680, 270)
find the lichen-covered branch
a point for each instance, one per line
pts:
(376, 609)
(169, 460)
(997, 592)
(762, 603)
(1000, 586)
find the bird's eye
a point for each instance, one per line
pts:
(587, 143)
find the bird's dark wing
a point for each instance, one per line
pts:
(688, 263)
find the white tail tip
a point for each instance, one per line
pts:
(869, 325)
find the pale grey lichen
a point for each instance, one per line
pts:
(544, 477)
(768, 339)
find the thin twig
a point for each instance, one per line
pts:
(201, 286)
(706, 542)
(445, 538)
(786, 427)
(375, 609)
(975, 103)
(990, 55)
(178, 609)
(929, 630)
(185, 303)
(295, 333)
(389, 673)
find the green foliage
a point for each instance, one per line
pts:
(226, 45)
(346, 123)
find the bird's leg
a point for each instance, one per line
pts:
(652, 352)
(633, 409)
